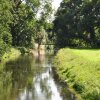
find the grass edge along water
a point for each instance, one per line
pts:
(80, 69)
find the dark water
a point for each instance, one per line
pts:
(29, 78)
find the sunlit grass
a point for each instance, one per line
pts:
(11, 54)
(92, 54)
(81, 70)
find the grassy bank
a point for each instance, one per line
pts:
(9, 55)
(80, 69)
(6, 76)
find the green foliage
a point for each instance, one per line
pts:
(22, 27)
(19, 23)
(5, 77)
(77, 20)
(5, 21)
(42, 24)
(23, 50)
(80, 70)
(26, 25)
(10, 54)
(14, 72)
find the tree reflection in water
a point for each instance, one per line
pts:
(29, 78)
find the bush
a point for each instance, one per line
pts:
(3, 48)
(23, 50)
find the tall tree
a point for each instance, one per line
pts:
(19, 23)
(41, 23)
(25, 21)
(76, 21)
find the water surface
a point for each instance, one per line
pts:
(29, 78)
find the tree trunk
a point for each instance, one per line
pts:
(39, 49)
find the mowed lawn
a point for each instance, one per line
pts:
(80, 69)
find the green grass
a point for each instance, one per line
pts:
(80, 69)
(9, 55)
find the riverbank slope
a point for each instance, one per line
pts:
(13, 53)
(80, 69)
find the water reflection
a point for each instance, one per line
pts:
(45, 87)
(32, 79)
(21, 72)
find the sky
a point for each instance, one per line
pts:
(56, 4)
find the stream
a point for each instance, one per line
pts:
(29, 78)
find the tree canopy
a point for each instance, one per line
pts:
(21, 20)
(5, 20)
(77, 23)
